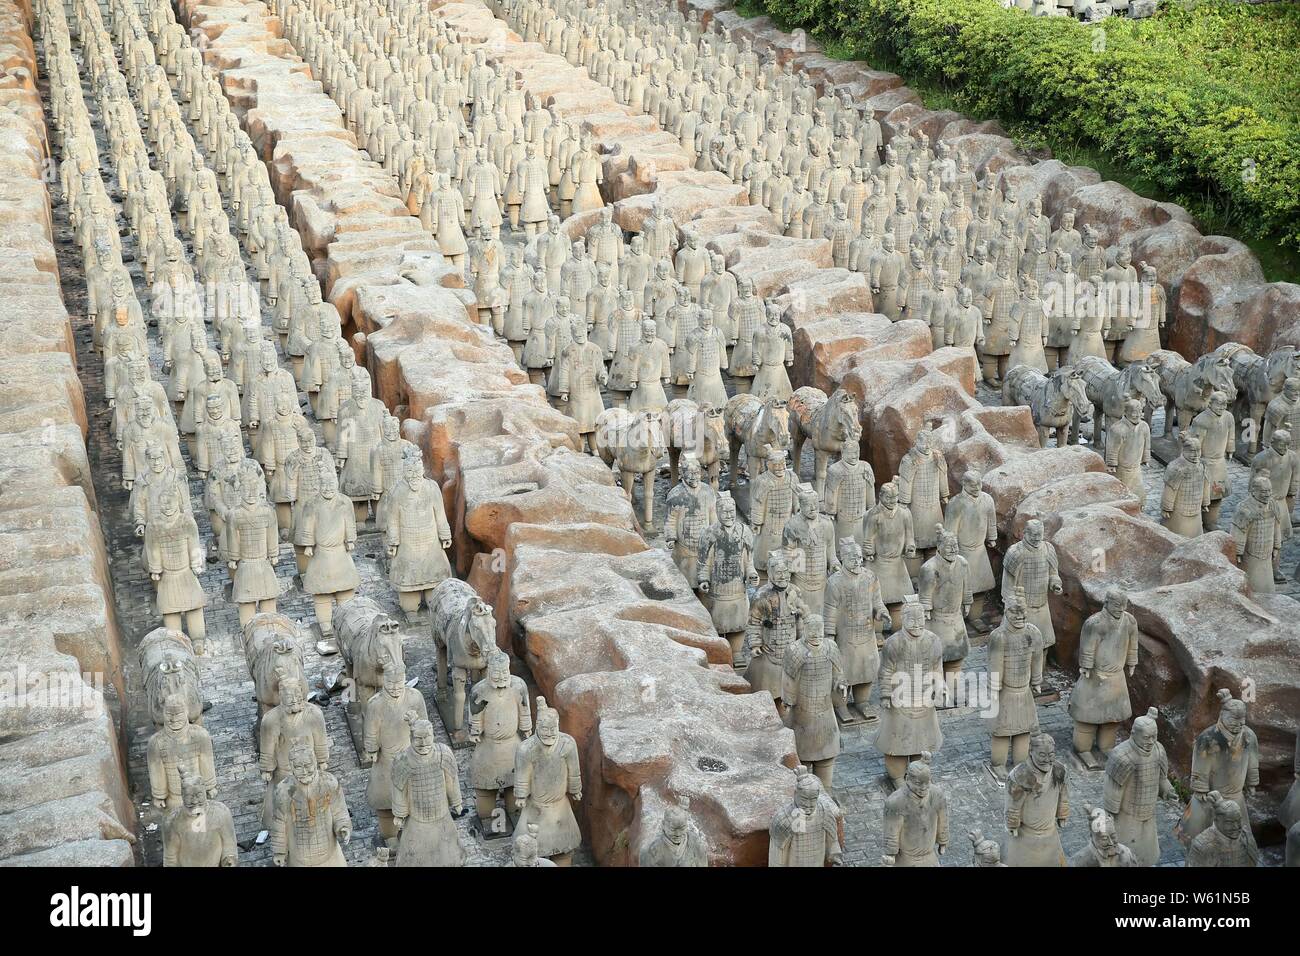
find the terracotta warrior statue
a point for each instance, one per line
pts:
(1217, 430)
(1257, 533)
(806, 831)
(546, 777)
(1186, 495)
(850, 492)
(200, 831)
(945, 593)
(174, 558)
(1108, 656)
(179, 749)
(1137, 778)
(1038, 807)
(916, 819)
(523, 851)
(772, 497)
(425, 799)
(911, 675)
(678, 842)
(252, 545)
(984, 852)
(311, 823)
(1031, 563)
(808, 541)
(293, 721)
(328, 534)
(500, 719)
(1128, 448)
(1016, 669)
(1104, 848)
(813, 689)
(972, 517)
(1228, 840)
(922, 484)
(1280, 463)
(692, 509)
(1225, 760)
(417, 537)
(771, 629)
(388, 718)
(724, 569)
(889, 544)
(854, 614)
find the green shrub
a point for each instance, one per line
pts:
(1202, 100)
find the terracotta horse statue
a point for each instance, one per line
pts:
(274, 652)
(632, 443)
(755, 423)
(368, 638)
(1187, 386)
(168, 665)
(1259, 380)
(1110, 388)
(694, 430)
(827, 421)
(1054, 401)
(464, 633)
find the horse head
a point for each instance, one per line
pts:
(1075, 391)
(1216, 376)
(1280, 365)
(775, 417)
(1145, 381)
(480, 628)
(845, 415)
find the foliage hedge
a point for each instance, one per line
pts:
(1203, 100)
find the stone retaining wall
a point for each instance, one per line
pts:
(63, 792)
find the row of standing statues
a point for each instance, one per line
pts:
(644, 320)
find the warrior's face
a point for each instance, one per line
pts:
(175, 715)
(1034, 534)
(917, 779)
(1043, 752)
(1116, 603)
(675, 828)
(726, 513)
(394, 682)
(422, 740)
(304, 767)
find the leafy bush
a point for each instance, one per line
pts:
(1202, 100)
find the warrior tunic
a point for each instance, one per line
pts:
(424, 788)
(1037, 801)
(887, 537)
(810, 683)
(914, 825)
(500, 718)
(1133, 780)
(725, 559)
(1035, 570)
(417, 525)
(1107, 647)
(544, 778)
(944, 591)
(1016, 664)
(307, 820)
(853, 602)
(911, 675)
